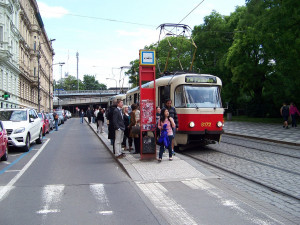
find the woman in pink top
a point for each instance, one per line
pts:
(293, 112)
(166, 119)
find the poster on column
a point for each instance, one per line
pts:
(148, 112)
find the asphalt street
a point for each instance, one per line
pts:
(70, 179)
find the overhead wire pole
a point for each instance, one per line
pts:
(77, 56)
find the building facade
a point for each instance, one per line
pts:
(36, 59)
(9, 53)
(26, 57)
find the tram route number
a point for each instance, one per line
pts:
(206, 124)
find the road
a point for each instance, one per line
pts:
(69, 179)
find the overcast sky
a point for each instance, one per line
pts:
(108, 34)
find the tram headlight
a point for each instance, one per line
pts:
(219, 124)
(192, 124)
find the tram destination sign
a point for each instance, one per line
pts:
(200, 79)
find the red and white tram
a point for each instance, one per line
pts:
(197, 99)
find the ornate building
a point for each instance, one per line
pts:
(36, 59)
(9, 53)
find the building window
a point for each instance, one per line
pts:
(1, 105)
(34, 45)
(34, 71)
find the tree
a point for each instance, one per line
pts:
(90, 83)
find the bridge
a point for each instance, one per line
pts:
(82, 99)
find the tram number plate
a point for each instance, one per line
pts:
(206, 124)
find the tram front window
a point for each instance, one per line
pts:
(187, 96)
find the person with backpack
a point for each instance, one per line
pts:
(55, 115)
(285, 112)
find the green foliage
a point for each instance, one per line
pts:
(70, 83)
(255, 51)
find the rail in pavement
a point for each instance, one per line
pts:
(266, 132)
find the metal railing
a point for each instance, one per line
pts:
(86, 92)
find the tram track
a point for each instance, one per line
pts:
(245, 176)
(261, 150)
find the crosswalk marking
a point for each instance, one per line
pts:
(51, 196)
(99, 193)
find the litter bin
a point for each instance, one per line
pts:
(229, 116)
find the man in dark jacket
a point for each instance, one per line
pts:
(119, 128)
(89, 114)
(173, 114)
(111, 130)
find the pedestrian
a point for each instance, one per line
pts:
(285, 112)
(173, 114)
(100, 120)
(119, 128)
(293, 113)
(81, 115)
(135, 122)
(166, 125)
(55, 115)
(89, 114)
(126, 119)
(109, 117)
(95, 116)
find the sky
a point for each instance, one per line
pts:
(108, 34)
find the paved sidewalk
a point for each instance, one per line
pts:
(261, 131)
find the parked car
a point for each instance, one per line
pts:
(23, 126)
(46, 125)
(3, 143)
(51, 121)
(68, 114)
(60, 116)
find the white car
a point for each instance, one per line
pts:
(23, 126)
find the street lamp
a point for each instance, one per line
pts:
(116, 83)
(122, 67)
(38, 57)
(60, 63)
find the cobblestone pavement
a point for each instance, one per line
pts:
(272, 132)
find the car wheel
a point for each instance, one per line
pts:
(39, 140)
(27, 143)
(5, 156)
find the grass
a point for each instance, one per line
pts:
(255, 120)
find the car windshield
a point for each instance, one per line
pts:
(12, 115)
(59, 113)
(191, 96)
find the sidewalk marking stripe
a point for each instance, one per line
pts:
(6, 189)
(172, 211)
(106, 213)
(213, 191)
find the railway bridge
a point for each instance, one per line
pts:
(82, 99)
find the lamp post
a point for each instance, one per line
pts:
(122, 67)
(60, 63)
(38, 57)
(116, 83)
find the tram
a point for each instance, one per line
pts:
(197, 99)
(116, 97)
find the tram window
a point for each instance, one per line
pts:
(191, 96)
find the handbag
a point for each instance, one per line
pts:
(135, 129)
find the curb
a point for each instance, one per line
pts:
(262, 139)
(108, 149)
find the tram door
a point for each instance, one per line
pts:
(163, 95)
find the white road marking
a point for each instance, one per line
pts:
(9, 171)
(4, 191)
(99, 193)
(172, 211)
(217, 193)
(5, 162)
(52, 194)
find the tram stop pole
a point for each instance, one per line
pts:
(147, 104)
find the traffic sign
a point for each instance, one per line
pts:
(147, 57)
